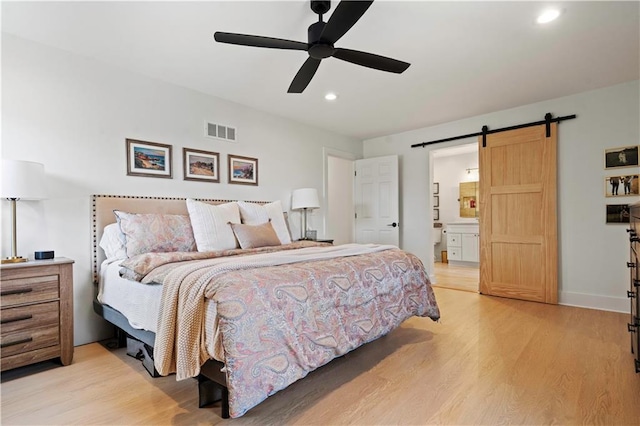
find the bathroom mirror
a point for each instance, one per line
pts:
(469, 192)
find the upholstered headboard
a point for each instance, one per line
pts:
(104, 205)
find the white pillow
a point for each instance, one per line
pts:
(256, 214)
(210, 224)
(113, 242)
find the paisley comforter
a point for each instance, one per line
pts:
(282, 315)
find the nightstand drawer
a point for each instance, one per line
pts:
(29, 317)
(28, 290)
(29, 340)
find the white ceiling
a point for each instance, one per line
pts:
(467, 58)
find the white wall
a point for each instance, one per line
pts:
(592, 255)
(73, 114)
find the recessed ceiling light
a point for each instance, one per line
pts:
(548, 16)
(331, 96)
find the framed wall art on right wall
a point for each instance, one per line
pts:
(621, 157)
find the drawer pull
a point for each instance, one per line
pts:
(19, 291)
(16, 319)
(17, 342)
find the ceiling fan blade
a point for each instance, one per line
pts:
(371, 61)
(259, 41)
(345, 16)
(304, 75)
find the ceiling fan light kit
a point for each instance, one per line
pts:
(321, 38)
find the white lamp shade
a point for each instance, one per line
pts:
(304, 198)
(23, 180)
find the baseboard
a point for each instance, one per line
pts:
(464, 263)
(592, 301)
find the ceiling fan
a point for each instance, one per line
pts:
(321, 38)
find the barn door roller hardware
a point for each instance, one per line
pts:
(548, 119)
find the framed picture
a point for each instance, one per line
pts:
(148, 159)
(616, 186)
(243, 170)
(436, 201)
(617, 213)
(436, 187)
(436, 214)
(201, 165)
(621, 157)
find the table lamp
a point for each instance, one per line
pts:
(21, 180)
(304, 199)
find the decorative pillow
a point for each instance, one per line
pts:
(210, 224)
(155, 232)
(256, 214)
(113, 242)
(254, 236)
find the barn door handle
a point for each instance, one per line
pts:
(394, 224)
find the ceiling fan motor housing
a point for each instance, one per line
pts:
(318, 49)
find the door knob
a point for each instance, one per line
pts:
(393, 224)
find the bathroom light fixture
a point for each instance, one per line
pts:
(331, 96)
(548, 16)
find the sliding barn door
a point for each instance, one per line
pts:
(518, 223)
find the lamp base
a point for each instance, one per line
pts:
(14, 259)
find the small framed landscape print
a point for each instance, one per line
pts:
(202, 166)
(615, 186)
(621, 157)
(436, 201)
(617, 213)
(243, 170)
(148, 159)
(436, 214)
(436, 187)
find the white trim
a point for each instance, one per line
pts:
(326, 153)
(594, 301)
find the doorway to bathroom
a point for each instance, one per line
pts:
(455, 217)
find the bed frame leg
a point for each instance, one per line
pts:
(210, 392)
(121, 338)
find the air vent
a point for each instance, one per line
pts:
(220, 131)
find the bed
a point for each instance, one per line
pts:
(228, 298)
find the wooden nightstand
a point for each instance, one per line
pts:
(36, 301)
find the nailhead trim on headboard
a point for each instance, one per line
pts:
(94, 232)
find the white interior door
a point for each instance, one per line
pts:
(376, 200)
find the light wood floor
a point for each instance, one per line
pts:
(456, 277)
(488, 361)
